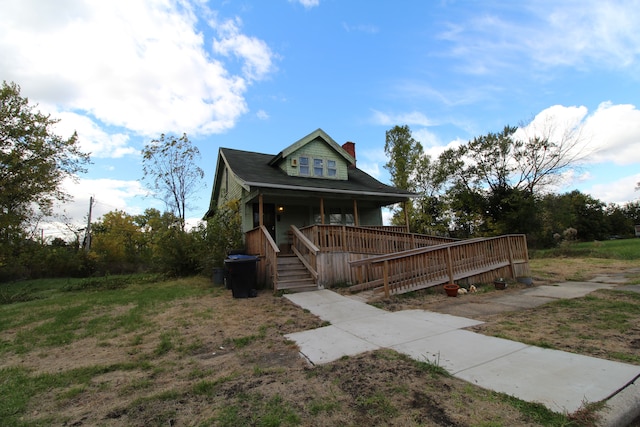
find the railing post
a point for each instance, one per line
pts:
(385, 273)
(449, 265)
(511, 264)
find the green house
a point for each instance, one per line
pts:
(313, 181)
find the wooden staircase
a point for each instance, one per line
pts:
(293, 275)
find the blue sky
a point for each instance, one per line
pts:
(259, 75)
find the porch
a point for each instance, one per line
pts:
(386, 260)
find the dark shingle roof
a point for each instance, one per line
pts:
(254, 170)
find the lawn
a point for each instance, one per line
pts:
(147, 350)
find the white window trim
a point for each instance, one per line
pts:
(310, 166)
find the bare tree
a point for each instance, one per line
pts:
(543, 151)
(169, 163)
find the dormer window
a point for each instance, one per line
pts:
(332, 169)
(304, 166)
(318, 167)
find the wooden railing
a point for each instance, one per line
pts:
(482, 259)
(367, 240)
(396, 228)
(305, 250)
(260, 243)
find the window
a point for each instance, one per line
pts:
(335, 216)
(349, 220)
(332, 170)
(318, 167)
(304, 166)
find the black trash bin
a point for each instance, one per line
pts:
(240, 275)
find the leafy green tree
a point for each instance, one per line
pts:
(404, 154)
(118, 242)
(576, 210)
(488, 160)
(430, 214)
(632, 211)
(34, 161)
(589, 214)
(170, 170)
(619, 223)
(224, 231)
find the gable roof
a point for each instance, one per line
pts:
(318, 133)
(255, 170)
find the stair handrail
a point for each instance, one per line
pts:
(271, 252)
(305, 250)
(367, 240)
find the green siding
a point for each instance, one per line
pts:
(320, 150)
(230, 189)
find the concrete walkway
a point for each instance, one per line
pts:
(561, 381)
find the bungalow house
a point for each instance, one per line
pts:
(315, 220)
(312, 181)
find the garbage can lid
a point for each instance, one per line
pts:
(241, 257)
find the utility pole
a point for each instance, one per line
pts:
(87, 237)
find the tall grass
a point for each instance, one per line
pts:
(624, 249)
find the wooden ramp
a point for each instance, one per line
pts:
(383, 259)
(471, 261)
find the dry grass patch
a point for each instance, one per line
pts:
(187, 353)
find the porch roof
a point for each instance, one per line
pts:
(255, 172)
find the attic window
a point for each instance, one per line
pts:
(332, 170)
(318, 167)
(304, 166)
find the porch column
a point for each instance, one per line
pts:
(260, 210)
(322, 210)
(356, 221)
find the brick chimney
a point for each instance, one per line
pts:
(350, 147)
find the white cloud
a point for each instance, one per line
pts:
(308, 4)
(620, 191)
(92, 138)
(609, 134)
(604, 33)
(570, 33)
(142, 65)
(615, 131)
(435, 150)
(108, 195)
(411, 118)
(362, 28)
(262, 115)
(371, 161)
(255, 52)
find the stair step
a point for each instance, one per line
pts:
(294, 269)
(289, 260)
(293, 275)
(298, 276)
(301, 289)
(291, 267)
(297, 285)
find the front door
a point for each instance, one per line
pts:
(268, 217)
